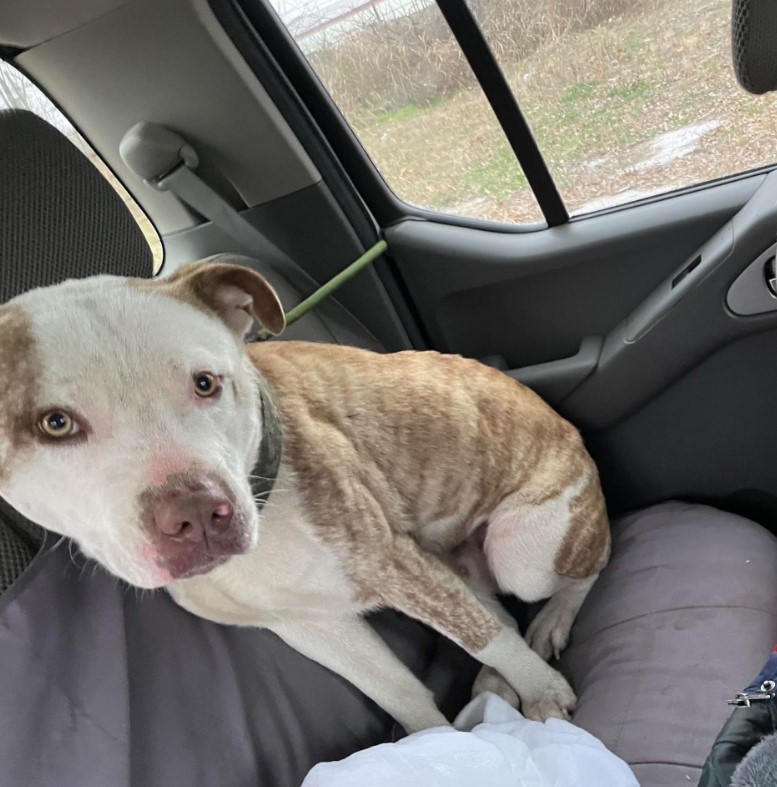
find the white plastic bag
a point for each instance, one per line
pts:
(492, 745)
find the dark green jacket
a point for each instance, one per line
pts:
(745, 728)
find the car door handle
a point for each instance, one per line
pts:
(554, 380)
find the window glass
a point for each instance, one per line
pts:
(402, 82)
(17, 92)
(626, 98)
(629, 98)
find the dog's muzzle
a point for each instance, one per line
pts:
(193, 524)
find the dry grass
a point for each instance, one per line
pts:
(597, 88)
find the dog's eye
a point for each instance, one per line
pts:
(206, 384)
(58, 424)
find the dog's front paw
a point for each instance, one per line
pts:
(555, 700)
(548, 633)
(490, 680)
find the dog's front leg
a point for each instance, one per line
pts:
(350, 647)
(419, 584)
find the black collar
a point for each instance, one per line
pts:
(265, 471)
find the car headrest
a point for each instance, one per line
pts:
(59, 217)
(754, 44)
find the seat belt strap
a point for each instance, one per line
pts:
(166, 161)
(185, 184)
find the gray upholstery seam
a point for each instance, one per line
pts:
(625, 714)
(51, 682)
(665, 611)
(671, 764)
(53, 685)
(622, 723)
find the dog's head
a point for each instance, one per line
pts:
(131, 418)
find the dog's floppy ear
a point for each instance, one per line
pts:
(237, 294)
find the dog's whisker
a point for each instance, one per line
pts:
(95, 567)
(73, 560)
(57, 544)
(279, 487)
(276, 488)
(264, 495)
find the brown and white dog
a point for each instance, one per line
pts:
(134, 420)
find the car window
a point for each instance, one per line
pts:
(402, 82)
(18, 92)
(627, 98)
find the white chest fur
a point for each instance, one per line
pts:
(290, 574)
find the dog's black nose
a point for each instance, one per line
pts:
(191, 516)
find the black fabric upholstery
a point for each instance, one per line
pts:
(754, 44)
(59, 219)
(20, 540)
(16, 552)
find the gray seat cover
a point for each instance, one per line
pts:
(101, 686)
(684, 616)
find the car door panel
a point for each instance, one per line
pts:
(533, 296)
(677, 385)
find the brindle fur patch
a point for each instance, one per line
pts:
(19, 372)
(382, 445)
(585, 549)
(424, 587)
